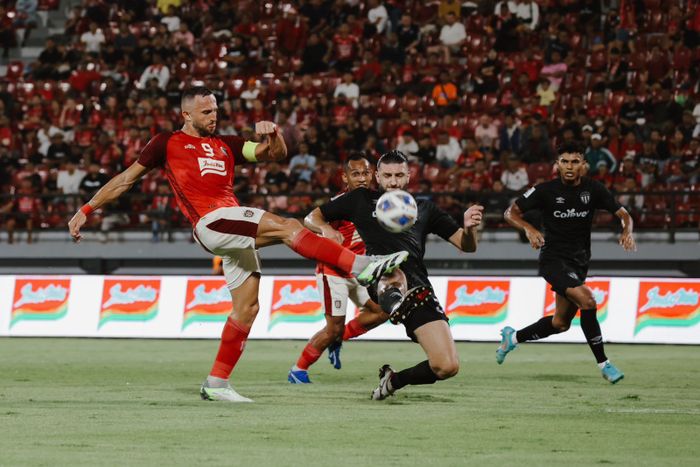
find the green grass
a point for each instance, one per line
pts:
(135, 402)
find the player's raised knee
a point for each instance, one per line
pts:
(560, 325)
(446, 368)
(588, 303)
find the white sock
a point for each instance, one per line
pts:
(514, 337)
(602, 364)
(215, 382)
(296, 368)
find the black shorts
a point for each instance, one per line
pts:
(419, 317)
(562, 274)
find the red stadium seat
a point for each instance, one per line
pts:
(682, 59)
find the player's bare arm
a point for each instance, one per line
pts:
(514, 216)
(316, 223)
(627, 237)
(274, 149)
(466, 238)
(108, 193)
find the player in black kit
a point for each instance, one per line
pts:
(406, 294)
(567, 204)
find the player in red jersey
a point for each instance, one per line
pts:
(199, 167)
(335, 287)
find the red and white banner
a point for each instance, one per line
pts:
(630, 310)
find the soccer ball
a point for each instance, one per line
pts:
(396, 211)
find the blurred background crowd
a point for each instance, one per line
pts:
(477, 94)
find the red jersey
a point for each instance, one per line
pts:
(351, 240)
(199, 170)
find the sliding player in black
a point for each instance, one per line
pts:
(406, 294)
(567, 204)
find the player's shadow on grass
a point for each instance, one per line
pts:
(559, 378)
(412, 398)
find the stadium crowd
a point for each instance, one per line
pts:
(477, 94)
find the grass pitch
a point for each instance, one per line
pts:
(135, 402)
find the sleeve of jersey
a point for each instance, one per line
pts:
(341, 208)
(243, 151)
(441, 223)
(606, 200)
(530, 199)
(153, 154)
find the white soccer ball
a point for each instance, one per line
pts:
(396, 211)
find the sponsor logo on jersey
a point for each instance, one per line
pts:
(475, 301)
(672, 304)
(295, 301)
(211, 166)
(570, 213)
(129, 300)
(560, 200)
(206, 301)
(39, 299)
(190, 146)
(585, 197)
(601, 293)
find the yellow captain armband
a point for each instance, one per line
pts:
(249, 151)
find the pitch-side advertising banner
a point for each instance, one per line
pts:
(629, 310)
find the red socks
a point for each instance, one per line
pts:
(353, 329)
(233, 339)
(311, 246)
(308, 357)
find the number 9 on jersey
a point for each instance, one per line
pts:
(396, 211)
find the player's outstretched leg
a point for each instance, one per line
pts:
(233, 340)
(274, 229)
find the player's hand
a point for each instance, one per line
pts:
(627, 241)
(332, 234)
(75, 224)
(535, 238)
(265, 128)
(473, 216)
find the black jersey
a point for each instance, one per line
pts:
(567, 212)
(358, 206)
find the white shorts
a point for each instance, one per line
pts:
(230, 233)
(335, 292)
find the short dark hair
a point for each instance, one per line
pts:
(569, 148)
(392, 157)
(194, 91)
(355, 156)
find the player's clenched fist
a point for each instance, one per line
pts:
(265, 128)
(535, 238)
(75, 224)
(473, 216)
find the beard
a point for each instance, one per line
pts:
(203, 130)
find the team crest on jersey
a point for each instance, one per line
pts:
(248, 213)
(211, 166)
(573, 276)
(560, 200)
(337, 303)
(189, 146)
(585, 197)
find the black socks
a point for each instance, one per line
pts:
(591, 329)
(538, 330)
(419, 374)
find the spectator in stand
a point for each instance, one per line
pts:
(445, 93)
(23, 211)
(408, 34)
(59, 150)
(536, 146)
(630, 198)
(183, 37)
(628, 169)
(555, 71)
(276, 180)
(26, 17)
(346, 47)
(316, 56)
(514, 177)
(427, 152)
(602, 174)
(125, 40)
(350, 89)
(449, 6)
(528, 12)
(506, 27)
(509, 135)
(171, 20)
(93, 181)
(303, 165)
(596, 153)
(158, 71)
(486, 134)
(93, 39)
(546, 93)
(161, 212)
(452, 36)
(377, 17)
(69, 178)
(447, 150)
(408, 145)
